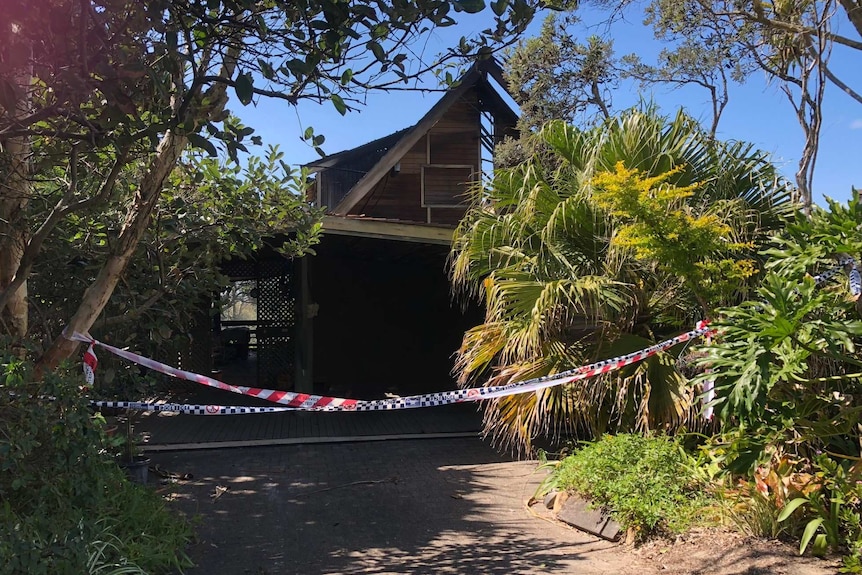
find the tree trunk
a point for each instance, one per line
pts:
(138, 218)
(15, 187)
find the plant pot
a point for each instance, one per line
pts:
(138, 469)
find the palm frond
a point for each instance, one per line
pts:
(560, 292)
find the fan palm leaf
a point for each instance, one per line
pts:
(559, 292)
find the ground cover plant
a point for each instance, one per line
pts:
(649, 483)
(65, 505)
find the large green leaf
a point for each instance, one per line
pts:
(244, 88)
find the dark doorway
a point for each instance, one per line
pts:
(385, 321)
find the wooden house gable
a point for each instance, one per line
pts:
(429, 181)
(421, 174)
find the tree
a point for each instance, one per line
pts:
(209, 212)
(558, 78)
(573, 267)
(121, 89)
(555, 77)
(792, 42)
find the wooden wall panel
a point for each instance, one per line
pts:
(446, 186)
(453, 140)
(462, 114)
(415, 158)
(455, 148)
(396, 198)
(447, 216)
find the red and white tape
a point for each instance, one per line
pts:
(90, 363)
(307, 402)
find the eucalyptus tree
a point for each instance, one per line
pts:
(793, 42)
(574, 264)
(554, 76)
(120, 89)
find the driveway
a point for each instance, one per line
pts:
(411, 506)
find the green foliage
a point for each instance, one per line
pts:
(211, 211)
(556, 76)
(852, 561)
(786, 364)
(537, 247)
(832, 506)
(646, 482)
(657, 222)
(175, 51)
(786, 367)
(65, 506)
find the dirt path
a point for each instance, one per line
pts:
(419, 506)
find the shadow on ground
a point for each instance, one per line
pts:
(418, 506)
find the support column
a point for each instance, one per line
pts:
(305, 331)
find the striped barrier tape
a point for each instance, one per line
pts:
(307, 402)
(855, 281)
(174, 407)
(90, 363)
(189, 409)
(827, 275)
(853, 275)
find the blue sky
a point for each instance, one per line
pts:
(758, 112)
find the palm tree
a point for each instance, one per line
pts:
(560, 292)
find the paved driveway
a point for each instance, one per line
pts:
(412, 506)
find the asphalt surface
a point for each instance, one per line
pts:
(406, 506)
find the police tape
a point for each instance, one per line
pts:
(308, 402)
(854, 277)
(189, 409)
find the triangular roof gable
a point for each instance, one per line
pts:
(379, 147)
(411, 136)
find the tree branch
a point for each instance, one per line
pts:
(837, 81)
(854, 13)
(139, 310)
(792, 28)
(61, 210)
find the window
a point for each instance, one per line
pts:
(446, 186)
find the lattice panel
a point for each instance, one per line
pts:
(276, 324)
(240, 269)
(276, 302)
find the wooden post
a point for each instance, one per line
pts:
(305, 332)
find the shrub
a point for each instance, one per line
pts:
(786, 372)
(65, 506)
(648, 483)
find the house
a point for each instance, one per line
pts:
(372, 313)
